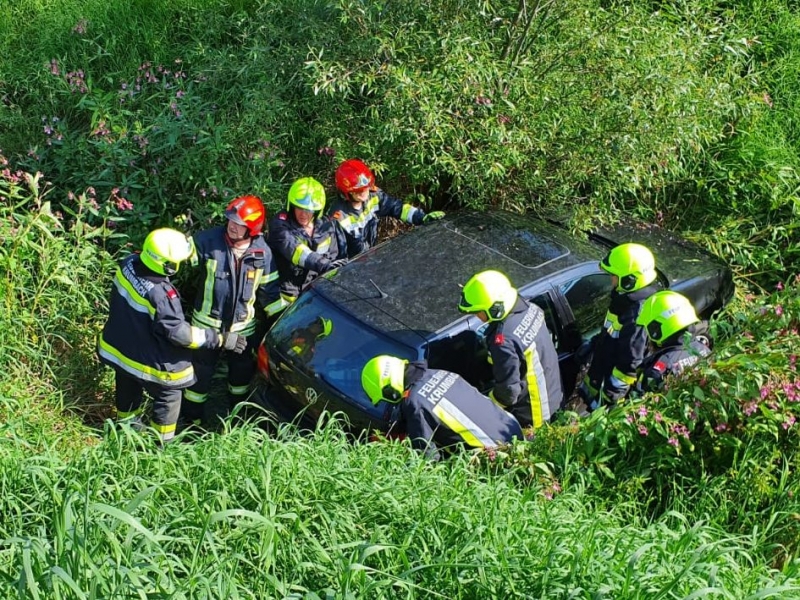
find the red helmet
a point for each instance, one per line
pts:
(248, 211)
(353, 176)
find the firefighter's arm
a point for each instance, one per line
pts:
(389, 206)
(170, 322)
(505, 369)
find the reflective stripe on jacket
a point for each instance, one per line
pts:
(442, 409)
(357, 230)
(231, 288)
(146, 334)
(525, 365)
(299, 257)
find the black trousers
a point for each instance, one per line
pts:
(166, 401)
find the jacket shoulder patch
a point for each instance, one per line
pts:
(282, 216)
(660, 366)
(499, 339)
(172, 293)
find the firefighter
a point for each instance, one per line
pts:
(361, 204)
(677, 336)
(439, 408)
(618, 350)
(237, 277)
(146, 339)
(304, 244)
(304, 341)
(527, 379)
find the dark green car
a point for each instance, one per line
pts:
(400, 298)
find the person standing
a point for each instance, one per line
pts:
(438, 408)
(619, 348)
(238, 277)
(362, 204)
(524, 359)
(146, 339)
(304, 244)
(676, 334)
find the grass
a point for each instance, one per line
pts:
(248, 515)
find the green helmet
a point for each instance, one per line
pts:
(165, 249)
(306, 193)
(664, 314)
(488, 291)
(633, 264)
(382, 378)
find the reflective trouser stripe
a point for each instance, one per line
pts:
(165, 432)
(194, 397)
(121, 415)
(144, 372)
(238, 390)
(622, 377)
(537, 388)
(461, 424)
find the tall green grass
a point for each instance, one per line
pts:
(253, 516)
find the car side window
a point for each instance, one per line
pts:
(588, 298)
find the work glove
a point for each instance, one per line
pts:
(340, 262)
(323, 265)
(433, 216)
(234, 341)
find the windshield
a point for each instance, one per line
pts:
(322, 340)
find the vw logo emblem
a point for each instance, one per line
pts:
(311, 395)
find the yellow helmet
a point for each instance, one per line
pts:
(165, 249)
(306, 193)
(633, 264)
(382, 378)
(665, 313)
(488, 291)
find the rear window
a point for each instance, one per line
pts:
(328, 343)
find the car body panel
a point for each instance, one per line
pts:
(401, 298)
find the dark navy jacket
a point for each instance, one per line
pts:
(671, 359)
(525, 365)
(300, 258)
(357, 230)
(621, 345)
(441, 409)
(146, 334)
(231, 288)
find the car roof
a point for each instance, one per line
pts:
(413, 282)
